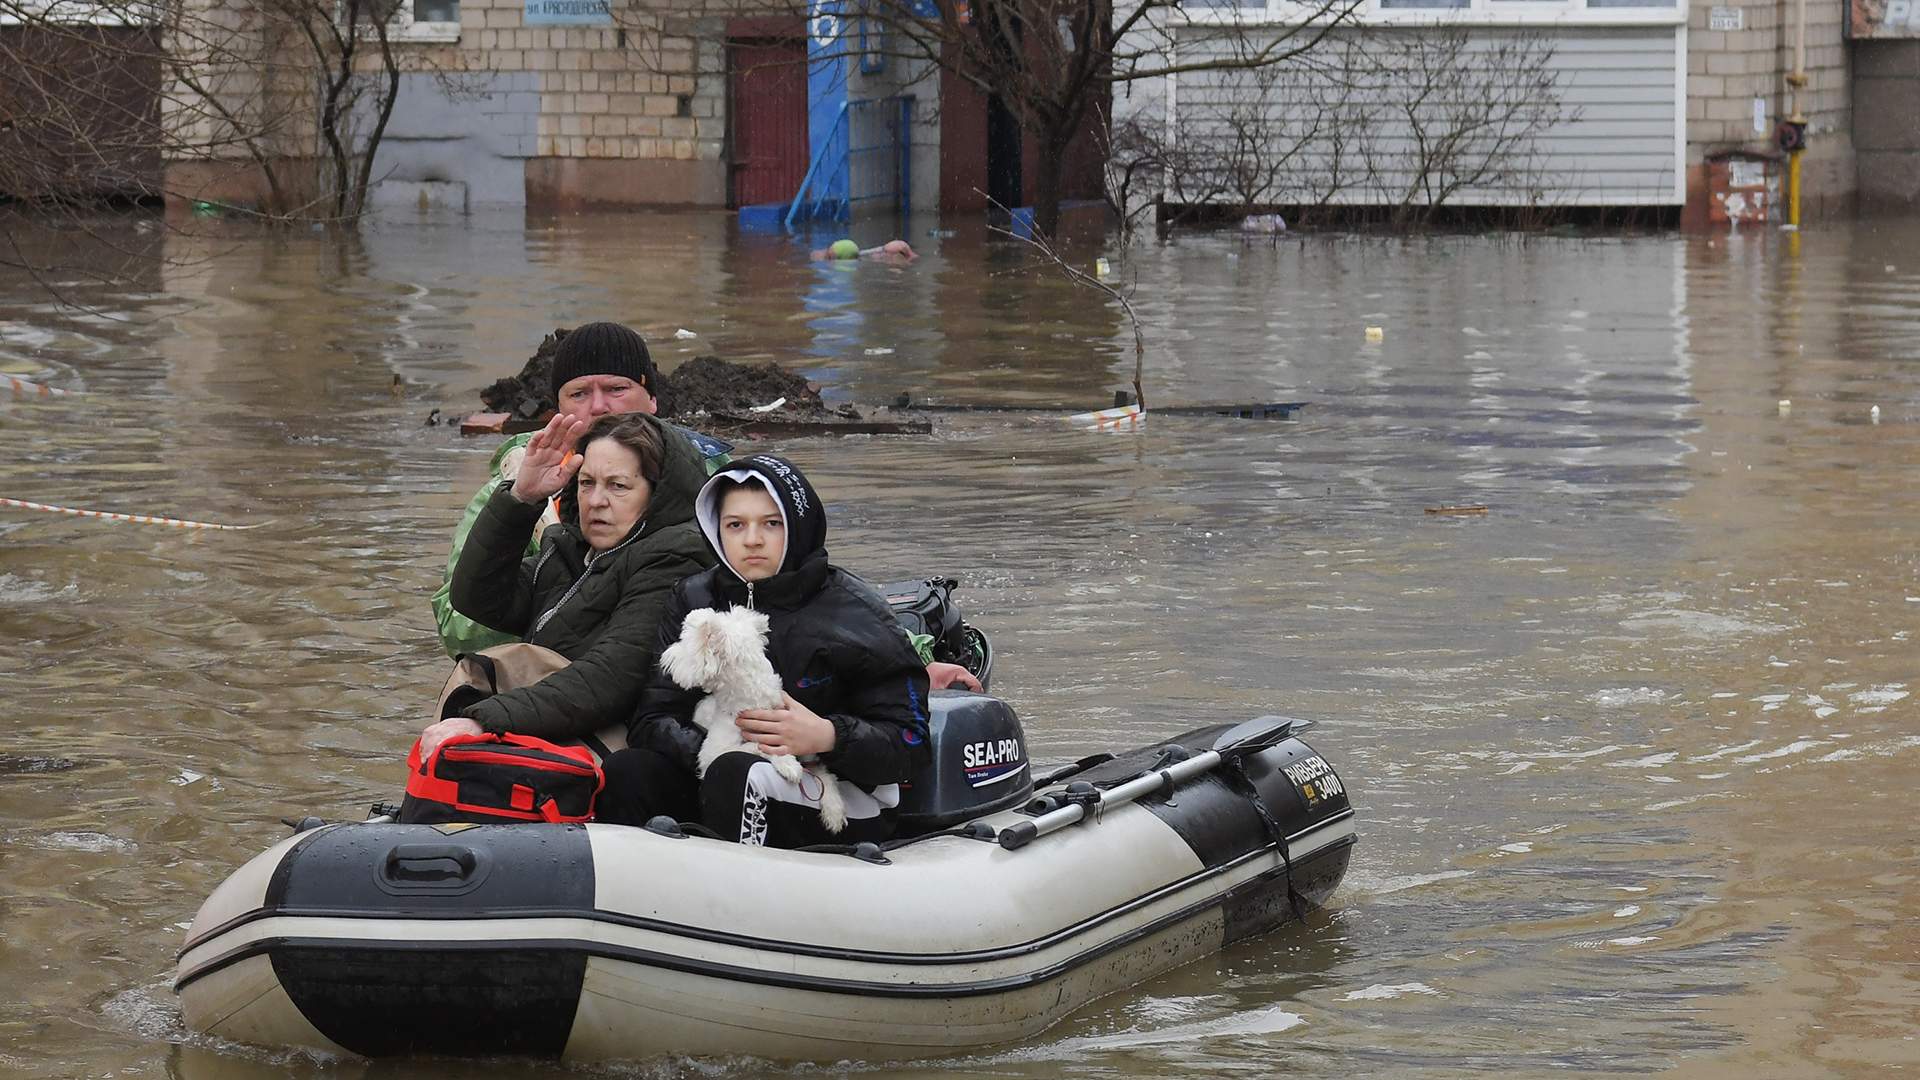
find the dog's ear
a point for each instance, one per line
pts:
(693, 660)
(746, 636)
(704, 626)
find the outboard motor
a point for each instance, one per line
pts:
(979, 764)
(926, 608)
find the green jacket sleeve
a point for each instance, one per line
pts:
(493, 582)
(458, 633)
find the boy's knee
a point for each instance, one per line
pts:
(730, 773)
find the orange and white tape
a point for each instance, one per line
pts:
(137, 519)
(23, 388)
(1125, 417)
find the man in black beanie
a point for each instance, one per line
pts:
(598, 368)
(602, 368)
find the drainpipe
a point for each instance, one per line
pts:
(1797, 141)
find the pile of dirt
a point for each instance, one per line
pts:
(704, 386)
(528, 395)
(710, 386)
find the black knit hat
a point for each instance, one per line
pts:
(603, 348)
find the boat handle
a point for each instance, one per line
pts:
(424, 862)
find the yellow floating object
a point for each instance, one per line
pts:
(1376, 334)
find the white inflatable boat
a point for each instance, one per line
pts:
(1011, 909)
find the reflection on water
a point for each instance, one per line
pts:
(1630, 751)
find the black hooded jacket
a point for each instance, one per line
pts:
(832, 639)
(597, 609)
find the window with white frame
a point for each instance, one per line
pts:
(408, 20)
(426, 20)
(1519, 5)
(1425, 12)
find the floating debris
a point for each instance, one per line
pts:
(1637, 695)
(1127, 417)
(34, 763)
(137, 519)
(1385, 992)
(24, 388)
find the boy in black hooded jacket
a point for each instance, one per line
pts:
(855, 691)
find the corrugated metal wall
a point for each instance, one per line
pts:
(1417, 115)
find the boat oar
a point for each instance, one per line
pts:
(1249, 738)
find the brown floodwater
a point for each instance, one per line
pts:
(1630, 751)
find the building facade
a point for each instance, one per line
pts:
(1671, 105)
(1544, 103)
(558, 104)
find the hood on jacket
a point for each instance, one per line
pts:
(507, 446)
(800, 510)
(682, 471)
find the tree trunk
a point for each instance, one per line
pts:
(1047, 182)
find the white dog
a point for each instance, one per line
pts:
(725, 654)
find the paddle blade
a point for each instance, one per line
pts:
(1257, 734)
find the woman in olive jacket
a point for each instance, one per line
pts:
(596, 591)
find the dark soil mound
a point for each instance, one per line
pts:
(528, 395)
(703, 386)
(710, 385)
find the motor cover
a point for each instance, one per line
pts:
(979, 763)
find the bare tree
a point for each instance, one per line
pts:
(1473, 116)
(1132, 155)
(299, 90)
(1053, 64)
(1041, 243)
(1399, 122)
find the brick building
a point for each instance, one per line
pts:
(1738, 60)
(535, 102)
(573, 103)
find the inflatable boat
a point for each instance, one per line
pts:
(1013, 902)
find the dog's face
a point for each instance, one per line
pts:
(713, 643)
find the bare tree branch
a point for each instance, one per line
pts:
(1039, 242)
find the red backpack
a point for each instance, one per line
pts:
(500, 778)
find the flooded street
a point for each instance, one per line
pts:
(1632, 753)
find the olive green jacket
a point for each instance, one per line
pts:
(601, 610)
(460, 634)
